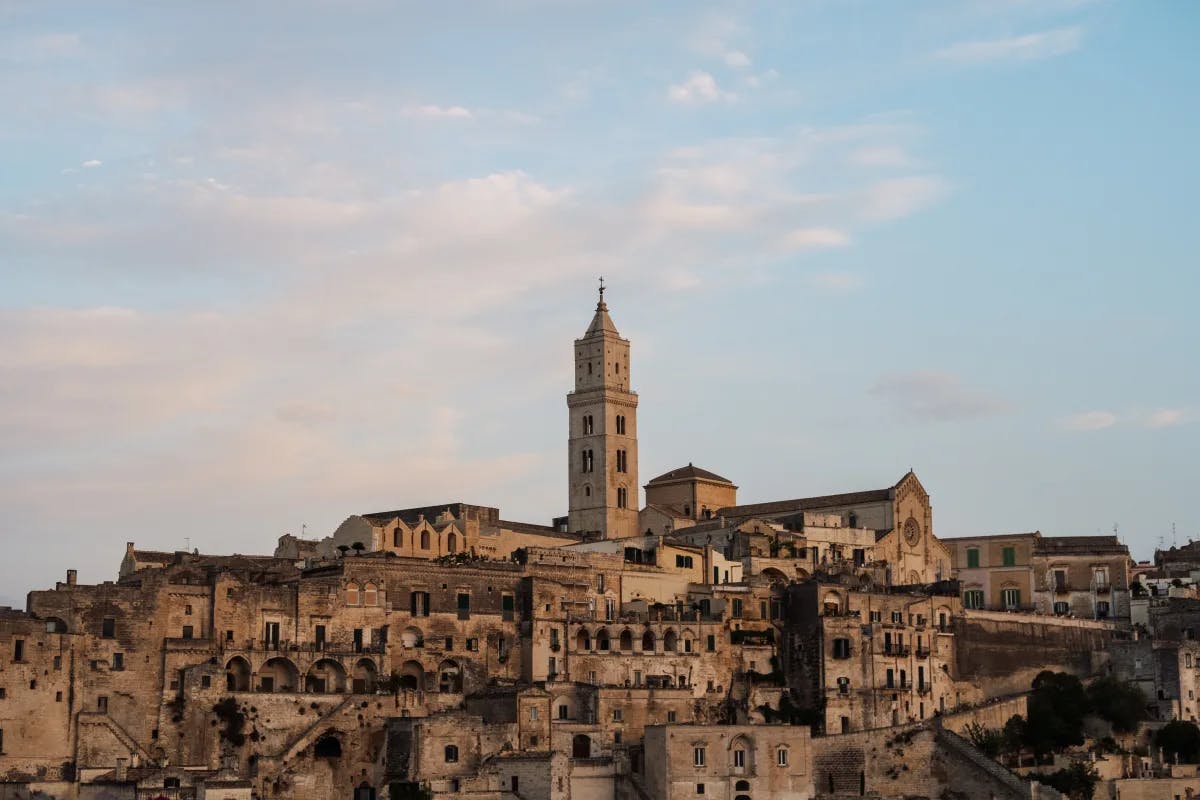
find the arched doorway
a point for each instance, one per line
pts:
(237, 675)
(328, 746)
(583, 641)
(626, 641)
(581, 746)
(326, 677)
(278, 675)
(670, 638)
(412, 676)
(648, 642)
(364, 680)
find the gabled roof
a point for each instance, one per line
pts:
(808, 503)
(691, 471)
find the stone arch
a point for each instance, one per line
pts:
(411, 637)
(687, 636)
(328, 746)
(648, 642)
(424, 538)
(602, 642)
(831, 604)
(237, 675)
(412, 676)
(451, 542)
(774, 575)
(450, 677)
(745, 746)
(278, 674)
(581, 746)
(370, 594)
(742, 786)
(670, 640)
(583, 640)
(326, 676)
(626, 640)
(352, 596)
(366, 677)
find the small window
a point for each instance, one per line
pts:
(187, 610)
(58, 697)
(622, 498)
(700, 786)
(618, 715)
(187, 631)
(698, 761)
(451, 754)
(670, 716)
(739, 759)
(533, 713)
(102, 704)
(118, 661)
(19, 650)
(841, 648)
(781, 757)
(1010, 598)
(108, 629)
(1010, 556)
(205, 681)
(973, 558)
(424, 540)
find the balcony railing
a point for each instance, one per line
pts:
(923, 652)
(898, 650)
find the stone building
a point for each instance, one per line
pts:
(996, 572)
(442, 651)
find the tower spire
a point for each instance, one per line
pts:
(601, 303)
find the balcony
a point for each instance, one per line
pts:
(923, 652)
(1102, 588)
(897, 650)
(1062, 588)
(924, 688)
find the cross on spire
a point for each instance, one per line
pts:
(601, 288)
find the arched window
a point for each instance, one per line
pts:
(352, 598)
(781, 757)
(451, 543)
(424, 540)
(451, 753)
(397, 538)
(648, 642)
(370, 595)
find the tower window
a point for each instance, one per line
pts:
(621, 424)
(622, 461)
(589, 426)
(589, 368)
(589, 461)
(622, 498)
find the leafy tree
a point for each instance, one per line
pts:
(1056, 710)
(1015, 732)
(1179, 738)
(988, 741)
(1077, 781)
(1121, 703)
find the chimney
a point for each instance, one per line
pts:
(120, 772)
(72, 577)
(129, 548)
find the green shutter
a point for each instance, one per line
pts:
(973, 558)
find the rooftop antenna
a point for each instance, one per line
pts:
(303, 530)
(187, 543)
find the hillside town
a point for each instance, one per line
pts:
(695, 648)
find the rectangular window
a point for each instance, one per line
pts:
(108, 629)
(473, 644)
(187, 631)
(320, 636)
(618, 715)
(739, 759)
(205, 681)
(670, 716)
(187, 610)
(876, 616)
(973, 598)
(118, 661)
(973, 558)
(698, 761)
(737, 608)
(891, 679)
(711, 643)
(507, 607)
(229, 636)
(58, 662)
(1060, 580)
(464, 606)
(841, 648)
(1010, 556)
(898, 617)
(781, 757)
(18, 650)
(1102, 610)
(1010, 598)
(533, 713)
(699, 788)
(102, 704)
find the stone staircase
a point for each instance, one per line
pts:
(1017, 786)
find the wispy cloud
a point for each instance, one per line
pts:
(92, 162)
(1168, 417)
(902, 197)
(815, 238)
(700, 88)
(1089, 421)
(1029, 47)
(437, 112)
(932, 396)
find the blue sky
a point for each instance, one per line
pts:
(264, 265)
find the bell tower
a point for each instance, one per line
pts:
(602, 445)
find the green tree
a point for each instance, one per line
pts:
(1078, 781)
(1179, 739)
(1121, 703)
(1057, 706)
